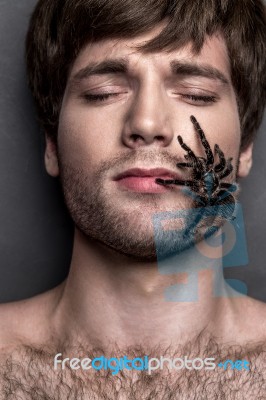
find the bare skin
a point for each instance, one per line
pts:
(30, 346)
(112, 300)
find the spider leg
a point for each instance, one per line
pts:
(226, 189)
(228, 169)
(204, 141)
(191, 155)
(223, 195)
(175, 182)
(229, 186)
(219, 167)
(164, 181)
(185, 165)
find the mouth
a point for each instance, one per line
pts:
(142, 180)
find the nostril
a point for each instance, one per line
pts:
(135, 137)
(159, 138)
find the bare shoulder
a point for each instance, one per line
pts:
(249, 319)
(26, 321)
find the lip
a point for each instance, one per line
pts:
(143, 172)
(143, 180)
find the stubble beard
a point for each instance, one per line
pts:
(127, 230)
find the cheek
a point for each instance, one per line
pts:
(226, 132)
(85, 137)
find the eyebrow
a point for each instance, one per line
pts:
(121, 66)
(192, 69)
(111, 66)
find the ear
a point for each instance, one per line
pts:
(50, 157)
(245, 162)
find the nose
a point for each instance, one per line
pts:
(148, 120)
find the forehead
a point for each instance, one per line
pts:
(213, 53)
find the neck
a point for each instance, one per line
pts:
(109, 297)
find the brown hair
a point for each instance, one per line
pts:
(60, 28)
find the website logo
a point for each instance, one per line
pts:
(146, 364)
(231, 240)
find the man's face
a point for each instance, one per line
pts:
(121, 114)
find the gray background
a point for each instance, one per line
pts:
(36, 233)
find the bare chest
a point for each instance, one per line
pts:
(33, 378)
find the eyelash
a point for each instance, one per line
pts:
(205, 99)
(99, 97)
(105, 96)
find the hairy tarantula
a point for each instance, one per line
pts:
(206, 186)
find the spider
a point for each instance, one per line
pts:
(206, 186)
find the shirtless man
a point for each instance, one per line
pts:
(112, 99)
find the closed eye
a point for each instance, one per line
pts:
(199, 99)
(193, 98)
(99, 97)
